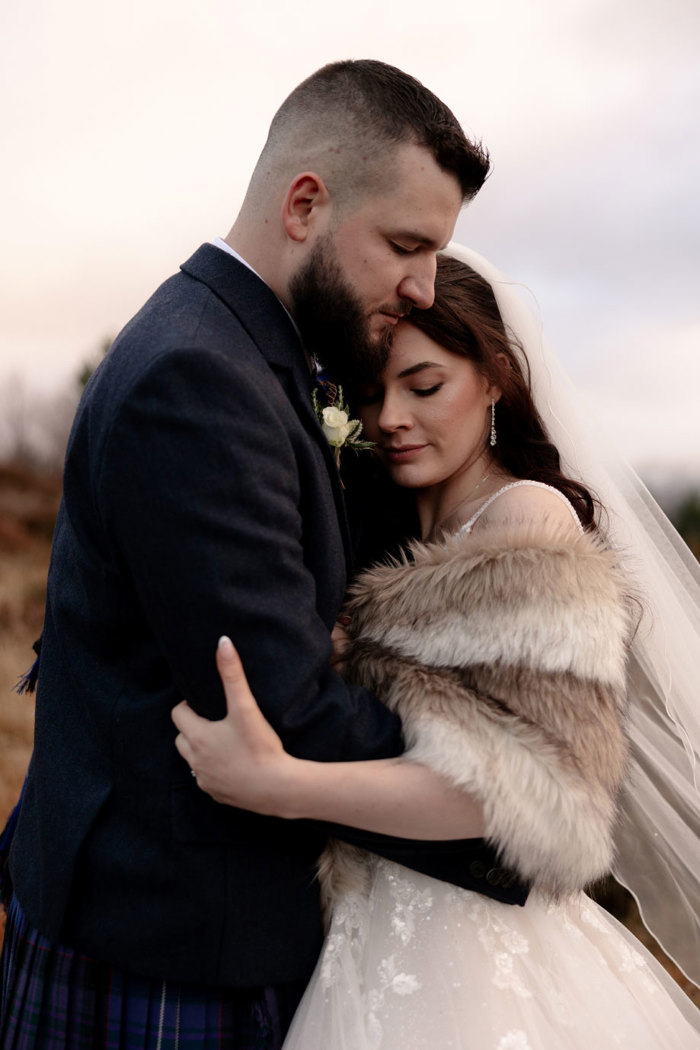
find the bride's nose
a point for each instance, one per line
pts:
(394, 413)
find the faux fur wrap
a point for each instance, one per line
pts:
(504, 654)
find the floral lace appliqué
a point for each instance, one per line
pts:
(502, 943)
(350, 923)
(409, 902)
(391, 980)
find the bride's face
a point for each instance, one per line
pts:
(429, 413)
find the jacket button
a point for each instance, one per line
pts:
(508, 881)
(493, 876)
(477, 869)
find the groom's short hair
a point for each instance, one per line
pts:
(344, 120)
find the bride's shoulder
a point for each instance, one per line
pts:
(528, 503)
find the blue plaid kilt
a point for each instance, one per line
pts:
(54, 998)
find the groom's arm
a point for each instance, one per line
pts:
(199, 491)
(201, 496)
(472, 864)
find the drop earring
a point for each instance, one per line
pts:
(492, 439)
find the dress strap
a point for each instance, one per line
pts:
(467, 527)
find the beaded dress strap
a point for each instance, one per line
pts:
(467, 527)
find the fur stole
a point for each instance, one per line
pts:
(504, 654)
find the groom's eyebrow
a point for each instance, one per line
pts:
(417, 368)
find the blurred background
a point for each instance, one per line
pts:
(130, 132)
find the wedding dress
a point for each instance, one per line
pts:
(417, 964)
(411, 963)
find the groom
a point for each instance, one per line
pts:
(201, 498)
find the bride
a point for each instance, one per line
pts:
(539, 643)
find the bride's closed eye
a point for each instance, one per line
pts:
(427, 391)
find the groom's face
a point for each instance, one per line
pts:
(375, 263)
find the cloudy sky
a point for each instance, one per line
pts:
(130, 129)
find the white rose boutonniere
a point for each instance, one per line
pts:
(336, 425)
(340, 430)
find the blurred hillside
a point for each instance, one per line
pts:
(28, 505)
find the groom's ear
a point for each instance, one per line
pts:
(305, 201)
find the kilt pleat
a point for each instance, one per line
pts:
(54, 998)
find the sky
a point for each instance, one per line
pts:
(131, 129)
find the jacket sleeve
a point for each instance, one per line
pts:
(199, 493)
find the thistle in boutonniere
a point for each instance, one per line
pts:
(340, 430)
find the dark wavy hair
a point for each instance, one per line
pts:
(465, 319)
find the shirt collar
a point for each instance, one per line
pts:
(219, 242)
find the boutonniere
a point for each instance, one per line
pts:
(334, 417)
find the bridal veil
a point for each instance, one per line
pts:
(658, 835)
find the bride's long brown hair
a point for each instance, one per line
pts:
(465, 319)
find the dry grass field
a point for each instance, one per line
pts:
(28, 505)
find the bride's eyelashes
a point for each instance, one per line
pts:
(373, 397)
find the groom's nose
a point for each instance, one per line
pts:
(418, 285)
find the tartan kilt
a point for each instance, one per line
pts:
(54, 998)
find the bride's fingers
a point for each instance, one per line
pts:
(185, 748)
(233, 747)
(190, 726)
(184, 717)
(239, 699)
(252, 730)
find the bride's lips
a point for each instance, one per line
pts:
(401, 453)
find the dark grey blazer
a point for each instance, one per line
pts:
(200, 498)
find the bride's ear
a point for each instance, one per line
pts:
(495, 390)
(306, 201)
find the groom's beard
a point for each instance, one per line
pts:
(332, 322)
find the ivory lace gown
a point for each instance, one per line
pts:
(417, 964)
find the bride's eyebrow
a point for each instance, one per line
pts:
(417, 368)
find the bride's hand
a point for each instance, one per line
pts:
(238, 760)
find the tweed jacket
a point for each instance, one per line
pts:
(200, 498)
(504, 653)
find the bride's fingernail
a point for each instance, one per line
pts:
(225, 645)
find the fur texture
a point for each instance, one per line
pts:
(504, 654)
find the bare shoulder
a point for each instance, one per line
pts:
(529, 504)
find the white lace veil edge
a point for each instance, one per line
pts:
(658, 835)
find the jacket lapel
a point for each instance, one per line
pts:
(271, 329)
